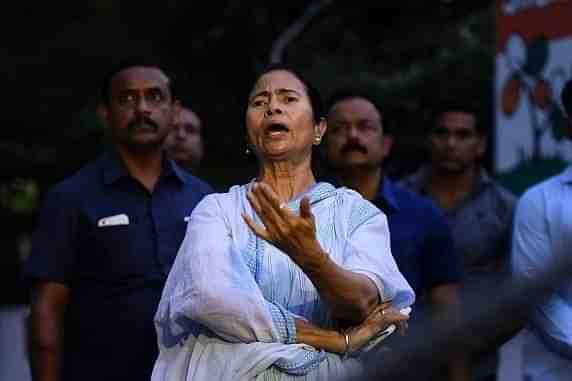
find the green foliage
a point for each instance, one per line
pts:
(410, 53)
(19, 196)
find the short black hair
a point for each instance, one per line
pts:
(313, 93)
(566, 98)
(456, 105)
(138, 61)
(345, 93)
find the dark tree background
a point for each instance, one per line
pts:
(410, 52)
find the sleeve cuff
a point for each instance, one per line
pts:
(284, 322)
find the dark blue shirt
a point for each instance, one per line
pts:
(421, 240)
(112, 243)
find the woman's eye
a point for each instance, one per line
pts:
(291, 99)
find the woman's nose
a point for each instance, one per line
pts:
(273, 108)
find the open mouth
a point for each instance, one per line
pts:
(276, 129)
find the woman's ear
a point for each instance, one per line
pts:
(247, 146)
(320, 130)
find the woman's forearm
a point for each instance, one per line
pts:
(350, 296)
(319, 338)
(353, 338)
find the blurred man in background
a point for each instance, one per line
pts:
(479, 210)
(543, 238)
(184, 143)
(357, 143)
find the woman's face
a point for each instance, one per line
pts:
(279, 118)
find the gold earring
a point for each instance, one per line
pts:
(317, 140)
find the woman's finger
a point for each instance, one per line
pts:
(271, 219)
(393, 315)
(393, 312)
(376, 311)
(281, 208)
(254, 202)
(266, 193)
(305, 209)
(386, 304)
(262, 210)
(383, 318)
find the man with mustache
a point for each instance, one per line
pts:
(357, 142)
(107, 237)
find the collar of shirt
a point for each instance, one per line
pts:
(114, 168)
(386, 199)
(418, 181)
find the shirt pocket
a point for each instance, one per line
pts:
(108, 253)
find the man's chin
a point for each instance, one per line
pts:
(143, 145)
(452, 166)
(183, 158)
(356, 165)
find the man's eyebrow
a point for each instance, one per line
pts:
(132, 89)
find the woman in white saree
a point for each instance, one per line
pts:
(282, 278)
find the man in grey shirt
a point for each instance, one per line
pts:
(479, 210)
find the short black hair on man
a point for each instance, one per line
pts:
(138, 61)
(345, 93)
(457, 105)
(566, 98)
(313, 93)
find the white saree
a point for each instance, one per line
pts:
(227, 311)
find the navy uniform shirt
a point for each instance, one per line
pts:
(421, 241)
(112, 242)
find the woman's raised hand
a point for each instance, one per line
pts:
(292, 234)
